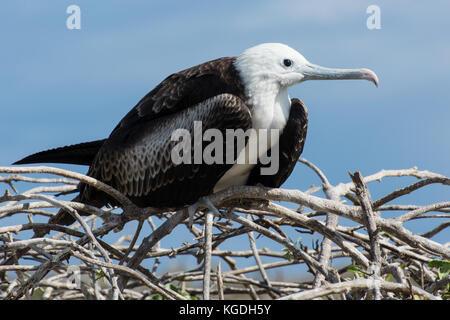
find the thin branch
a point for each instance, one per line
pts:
(220, 282)
(388, 250)
(335, 288)
(207, 260)
(370, 216)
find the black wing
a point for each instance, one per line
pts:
(137, 160)
(291, 144)
(178, 91)
(186, 88)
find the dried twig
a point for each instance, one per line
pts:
(86, 266)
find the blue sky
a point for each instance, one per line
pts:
(61, 86)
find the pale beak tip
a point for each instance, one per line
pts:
(370, 75)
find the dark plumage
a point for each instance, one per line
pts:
(246, 92)
(135, 159)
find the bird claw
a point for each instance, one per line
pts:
(202, 203)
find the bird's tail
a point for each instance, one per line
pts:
(82, 153)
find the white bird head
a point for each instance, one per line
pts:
(279, 64)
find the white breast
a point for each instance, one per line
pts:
(270, 110)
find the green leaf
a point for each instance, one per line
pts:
(356, 269)
(177, 290)
(99, 274)
(288, 254)
(446, 296)
(389, 277)
(443, 267)
(38, 293)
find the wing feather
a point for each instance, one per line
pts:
(186, 88)
(141, 166)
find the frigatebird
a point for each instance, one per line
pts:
(246, 92)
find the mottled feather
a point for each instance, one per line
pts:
(141, 166)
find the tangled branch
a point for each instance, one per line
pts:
(383, 258)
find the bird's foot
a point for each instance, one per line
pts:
(202, 203)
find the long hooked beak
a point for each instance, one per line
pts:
(314, 72)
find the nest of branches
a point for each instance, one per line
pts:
(384, 259)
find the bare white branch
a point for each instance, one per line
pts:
(388, 260)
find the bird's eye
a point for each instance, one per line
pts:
(287, 62)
